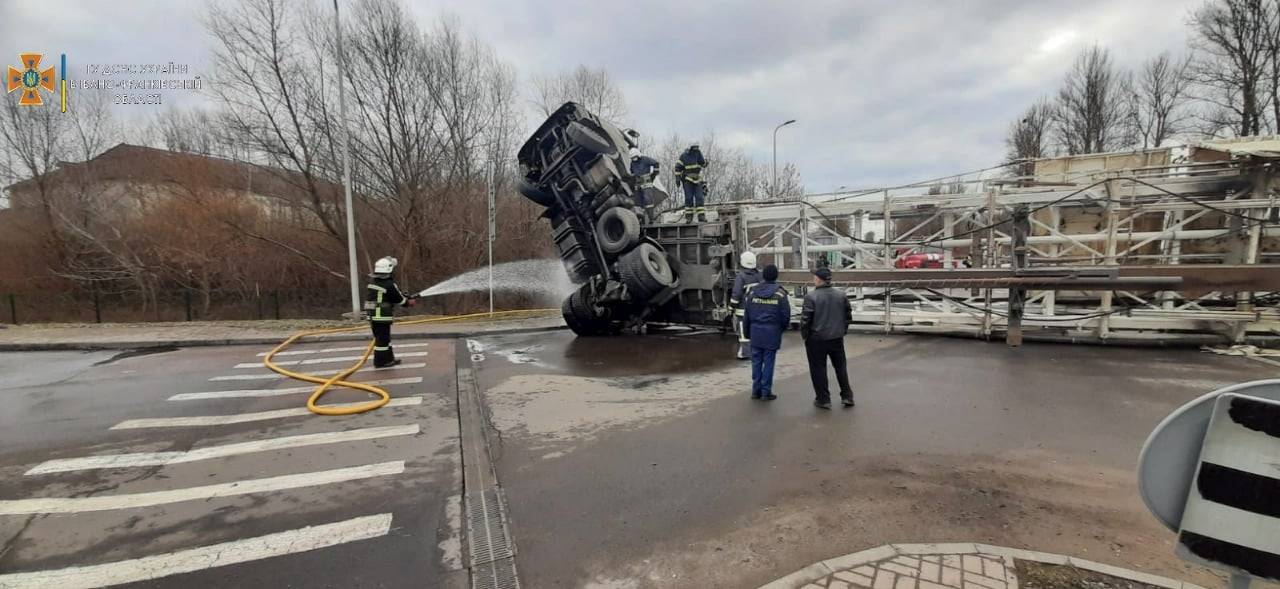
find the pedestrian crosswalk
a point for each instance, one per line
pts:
(383, 425)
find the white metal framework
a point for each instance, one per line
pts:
(1222, 213)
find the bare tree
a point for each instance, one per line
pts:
(592, 88)
(1230, 41)
(1029, 138)
(1092, 110)
(1159, 98)
(1272, 36)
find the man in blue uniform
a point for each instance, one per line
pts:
(746, 276)
(645, 169)
(689, 171)
(379, 304)
(767, 316)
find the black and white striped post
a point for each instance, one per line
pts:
(1211, 472)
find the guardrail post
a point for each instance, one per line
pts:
(275, 298)
(97, 307)
(186, 299)
(13, 309)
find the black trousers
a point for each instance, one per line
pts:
(818, 351)
(382, 352)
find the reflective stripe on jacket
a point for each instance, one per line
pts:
(381, 298)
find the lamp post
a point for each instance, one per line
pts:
(346, 168)
(775, 156)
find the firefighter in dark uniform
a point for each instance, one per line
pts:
(768, 314)
(689, 171)
(379, 304)
(746, 276)
(645, 169)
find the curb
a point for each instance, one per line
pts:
(249, 341)
(819, 570)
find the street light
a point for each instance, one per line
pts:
(775, 156)
(346, 168)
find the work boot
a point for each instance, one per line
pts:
(688, 215)
(755, 396)
(702, 216)
(390, 364)
(822, 404)
(769, 397)
(847, 401)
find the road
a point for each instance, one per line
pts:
(624, 462)
(381, 488)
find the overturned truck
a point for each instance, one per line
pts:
(629, 273)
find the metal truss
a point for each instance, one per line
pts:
(1195, 250)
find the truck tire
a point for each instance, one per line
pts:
(588, 139)
(579, 316)
(533, 193)
(618, 230)
(645, 271)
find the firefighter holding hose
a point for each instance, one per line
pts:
(379, 305)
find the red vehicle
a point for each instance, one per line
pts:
(919, 260)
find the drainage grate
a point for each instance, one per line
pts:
(487, 527)
(499, 574)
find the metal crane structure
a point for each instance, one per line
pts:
(1100, 248)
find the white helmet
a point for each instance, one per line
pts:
(385, 265)
(747, 260)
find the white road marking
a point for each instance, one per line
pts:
(164, 458)
(347, 349)
(323, 360)
(206, 557)
(240, 393)
(271, 375)
(211, 420)
(136, 500)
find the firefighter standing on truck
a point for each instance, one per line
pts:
(689, 171)
(379, 305)
(746, 276)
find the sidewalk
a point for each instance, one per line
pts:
(115, 336)
(965, 566)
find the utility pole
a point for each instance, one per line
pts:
(346, 167)
(775, 156)
(493, 228)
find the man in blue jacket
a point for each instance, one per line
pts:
(767, 314)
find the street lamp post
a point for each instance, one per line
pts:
(346, 168)
(775, 156)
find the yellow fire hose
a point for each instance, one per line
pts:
(338, 380)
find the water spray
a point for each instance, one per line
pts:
(545, 279)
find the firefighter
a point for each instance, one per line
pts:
(380, 302)
(689, 171)
(645, 170)
(746, 276)
(768, 314)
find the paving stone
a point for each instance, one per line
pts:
(984, 581)
(837, 584)
(952, 560)
(866, 570)
(992, 568)
(900, 569)
(951, 576)
(930, 571)
(857, 579)
(884, 579)
(905, 583)
(972, 564)
(969, 585)
(954, 548)
(930, 585)
(908, 561)
(933, 558)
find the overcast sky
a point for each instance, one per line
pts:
(884, 91)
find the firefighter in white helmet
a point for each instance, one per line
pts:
(379, 304)
(744, 278)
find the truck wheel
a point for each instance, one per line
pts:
(588, 139)
(533, 193)
(617, 230)
(646, 271)
(579, 316)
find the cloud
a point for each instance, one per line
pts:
(884, 91)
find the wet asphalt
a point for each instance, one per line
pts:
(626, 462)
(63, 404)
